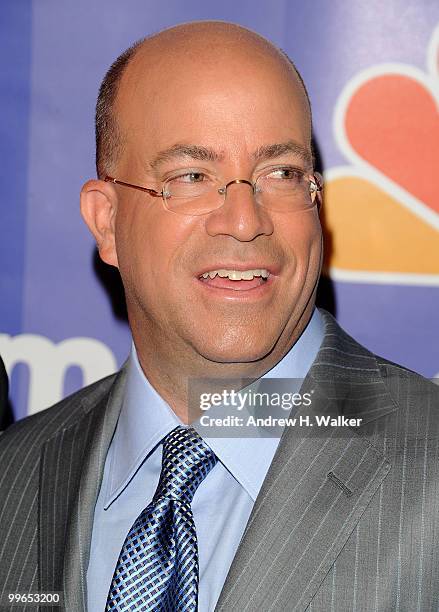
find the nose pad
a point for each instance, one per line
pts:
(223, 190)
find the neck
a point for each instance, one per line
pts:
(169, 366)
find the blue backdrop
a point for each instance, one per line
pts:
(58, 329)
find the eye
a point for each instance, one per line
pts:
(189, 178)
(286, 173)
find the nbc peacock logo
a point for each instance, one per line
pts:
(382, 210)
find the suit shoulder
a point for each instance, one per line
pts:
(403, 381)
(415, 419)
(383, 389)
(340, 349)
(42, 425)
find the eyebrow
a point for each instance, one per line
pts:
(277, 150)
(263, 152)
(186, 150)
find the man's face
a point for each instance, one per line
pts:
(232, 108)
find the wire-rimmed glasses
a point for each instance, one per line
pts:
(193, 192)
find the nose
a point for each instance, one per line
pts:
(240, 216)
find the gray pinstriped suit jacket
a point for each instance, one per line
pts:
(364, 538)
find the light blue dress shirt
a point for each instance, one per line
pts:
(224, 500)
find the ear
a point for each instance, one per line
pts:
(98, 209)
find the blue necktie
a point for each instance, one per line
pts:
(157, 567)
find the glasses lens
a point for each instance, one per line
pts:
(193, 193)
(285, 189)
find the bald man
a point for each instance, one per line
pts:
(121, 497)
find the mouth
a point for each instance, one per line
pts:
(236, 279)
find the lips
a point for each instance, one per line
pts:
(235, 285)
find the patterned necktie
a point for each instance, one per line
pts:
(157, 567)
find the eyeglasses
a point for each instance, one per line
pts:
(280, 188)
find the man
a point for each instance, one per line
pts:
(207, 202)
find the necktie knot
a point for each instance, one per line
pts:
(186, 461)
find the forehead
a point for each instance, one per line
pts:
(230, 101)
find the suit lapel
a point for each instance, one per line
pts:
(318, 486)
(72, 464)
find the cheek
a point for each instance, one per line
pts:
(135, 246)
(167, 239)
(302, 241)
(149, 242)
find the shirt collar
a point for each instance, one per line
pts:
(145, 419)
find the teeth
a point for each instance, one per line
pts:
(237, 274)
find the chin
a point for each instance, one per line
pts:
(241, 351)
